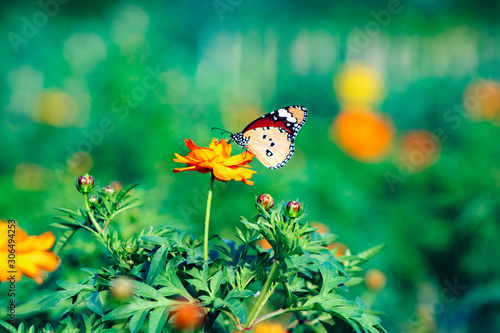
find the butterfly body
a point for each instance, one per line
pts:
(271, 138)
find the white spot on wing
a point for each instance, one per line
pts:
(285, 114)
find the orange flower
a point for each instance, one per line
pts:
(188, 317)
(269, 328)
(419, 149)
(341, 248)
(375, 279)
(32, 255)
(218, 160)
(363, 134)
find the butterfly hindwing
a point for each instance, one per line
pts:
(271, 138)
(272, 146)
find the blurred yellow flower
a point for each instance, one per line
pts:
(79, 163)
(482, 100)
(269, 328)
(30, 177)
(363, 134)
(358, 85)
(56, 108)
(32, 256)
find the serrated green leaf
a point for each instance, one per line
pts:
(145, 290)
(94, 303)
(57, 297)
(215, 282)
(124, 191)
(157, 319)
(353, 281)
(237, 309)
(156, 240)
(63, 240)
(158, 263)
(137, 305)
(137, 320)
(66, 285)
(370, 253)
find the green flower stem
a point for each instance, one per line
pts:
(207, 218)
(261, 300)
(94, 222)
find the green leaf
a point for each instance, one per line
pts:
(145, 290)
(354, 281)
(57, 297)
(156, 240)
(73, 286)
(94, 303)
(370, 253)
(237, 309)
(63, 240)
(8, 326)
(137, 320)
(235, 293)
(172, 283)
(67, 211)
(158, 263)
(137, 305)
(157, 319)
(215, 282)
(124, 191)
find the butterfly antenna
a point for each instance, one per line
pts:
(223, 131)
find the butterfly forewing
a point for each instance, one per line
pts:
(271, 138)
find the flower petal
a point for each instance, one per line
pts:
(239, 160)
(190, 144)
(189, 168)
(225, 173)
(37, 243)
(32, 263)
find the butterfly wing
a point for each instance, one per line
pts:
(271, 138)
(273, 146)
(290, 118)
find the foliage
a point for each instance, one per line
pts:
(164, 270)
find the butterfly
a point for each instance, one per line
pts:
(271, 138)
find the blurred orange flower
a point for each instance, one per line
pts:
(322, 228)
(218, 160)
(375, 279)
(269, 328)
(420, 149)
(264, 243)
(188, 317)
(32, 255)
(363, 134)
(341, 248)
(482, 100)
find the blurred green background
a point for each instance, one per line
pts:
(400, 147)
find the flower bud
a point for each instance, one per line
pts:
(93, 199)
(129, 248)
(293, 209)
(121, 289)
(108, 190)
(85, 184)
(266, 201)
